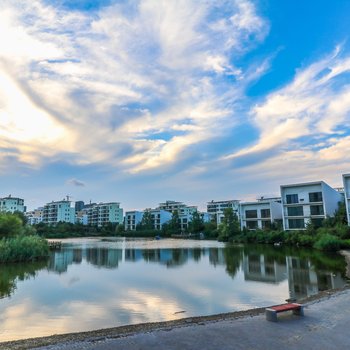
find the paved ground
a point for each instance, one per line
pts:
(325, 326)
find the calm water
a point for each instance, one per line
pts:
(93, 283)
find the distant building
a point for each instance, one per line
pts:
(79, 206)
(35, 216)
(305, 202)
(216, 209)
(60, 211)
(261, 214)
(104, 213)
(132, 219)
(82, 217)
(12, 204)
(160, 217)
(346, 181)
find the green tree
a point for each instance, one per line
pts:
(10, 225)
(147, 221)
(174, 226)
(229, 226)
(196, 225)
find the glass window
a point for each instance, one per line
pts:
(296, 223)
(316, 210)
(295, 211)
(252, 225)
(251, 214)
(292, 198)
(265, 213)
(317, 222)
(266, 224)
(315, 197)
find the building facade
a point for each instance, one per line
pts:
(260, 215)
(60, 211)
(308, 202)
(12, 204)
(34, 217)
(346, 182)
(132, 219)
(216, 209)
(104, 213)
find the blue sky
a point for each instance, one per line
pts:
(144, 101)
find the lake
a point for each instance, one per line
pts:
(100, 283)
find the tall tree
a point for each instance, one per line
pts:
(229, 226)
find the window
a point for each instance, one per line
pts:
(316, 210)
(251, 214)
(292, 198)
(295, 211)
(252, 225)
(265, 213)
(317, 222)
(266, 224)
(296, 223)
(315, 197)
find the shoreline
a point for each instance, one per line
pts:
(129, 330)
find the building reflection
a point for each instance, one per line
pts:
(306, 276)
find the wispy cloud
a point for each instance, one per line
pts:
(75, 182)
(309, 114)
(133, 84)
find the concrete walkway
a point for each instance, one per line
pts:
(324, 326)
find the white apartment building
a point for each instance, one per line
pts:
(12, 204)
(261, 214)
(160, 217)
(132, 219)
(60, 211)
(346, 182)
(35, 216)
(82, 217)
(216, 209)
(308, 201)
(103, 213)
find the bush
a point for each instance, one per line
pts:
(23, 248)
(328, 242)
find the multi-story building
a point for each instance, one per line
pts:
(35, 216)
(172, 206)
(60, 211)
(260, 214)
(132, 219)
(160, 217)
(81, 216)
(346, 182)
(308, 202)
(103, 213)
(216, 209)
(12, 204)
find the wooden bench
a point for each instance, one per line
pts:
(272, 311)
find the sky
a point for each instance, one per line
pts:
(142, 101)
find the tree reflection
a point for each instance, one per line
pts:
(11, 273)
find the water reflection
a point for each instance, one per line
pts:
(97, 284)
(307, 272)
(10, 274)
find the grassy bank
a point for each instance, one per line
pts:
(23, 248)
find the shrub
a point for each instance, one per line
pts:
(328, 242)
(23, 248)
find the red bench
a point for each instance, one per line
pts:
(272, 311)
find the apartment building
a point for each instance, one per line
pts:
(160, 217)
(305, 202)
(216, 209)
(261, 214)
(132, 219)
(12, 204)
(60, 211)
(35, 216)
(81, 216)
(346, 182)
(103, 213)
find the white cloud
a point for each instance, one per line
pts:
(100, 86)
(315, 104)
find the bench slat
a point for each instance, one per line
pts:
(285, 307)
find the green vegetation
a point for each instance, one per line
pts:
(332, 235)
(18, 241)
